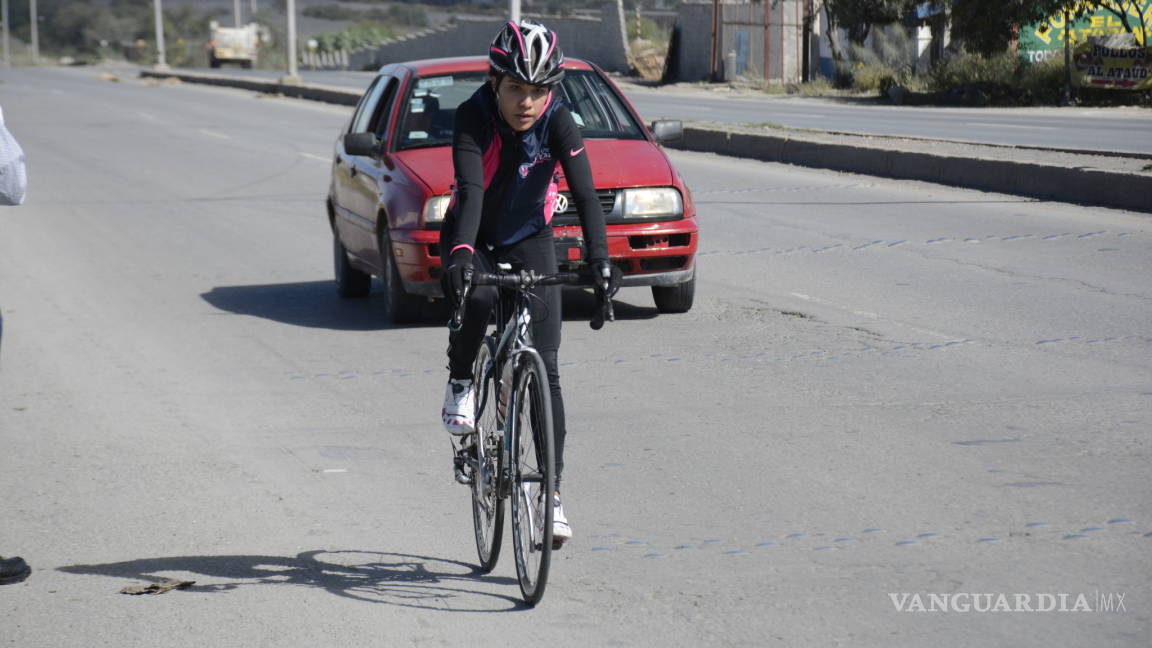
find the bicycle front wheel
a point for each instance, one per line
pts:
(533, 475)
(487, 506)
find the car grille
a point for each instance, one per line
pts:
(571, 216)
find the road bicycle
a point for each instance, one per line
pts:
(511, 454)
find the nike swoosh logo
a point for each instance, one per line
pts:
(575, 152)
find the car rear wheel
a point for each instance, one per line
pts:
(350, 282)
(402, 307)
(675, 299)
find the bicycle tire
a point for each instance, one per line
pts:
(533, 475)
(487, 505)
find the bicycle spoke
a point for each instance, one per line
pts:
(487, 507)
(533, 473)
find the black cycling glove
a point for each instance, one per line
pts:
(458, 274)
(608, 275)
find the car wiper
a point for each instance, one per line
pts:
(421, 145)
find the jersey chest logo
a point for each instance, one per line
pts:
(543, 156)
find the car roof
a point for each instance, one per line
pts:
(425, 67)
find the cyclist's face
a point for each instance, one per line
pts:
(521, 103)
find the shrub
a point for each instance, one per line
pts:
(968, 68)
(1045, 81)
(874, 77)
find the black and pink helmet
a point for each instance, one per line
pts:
(528, 53)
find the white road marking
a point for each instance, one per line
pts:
(311, 156)
(1019, 126)
(213, 134)
(335, 470)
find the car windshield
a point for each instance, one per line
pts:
(430, 108)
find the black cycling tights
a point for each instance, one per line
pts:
(537, 252)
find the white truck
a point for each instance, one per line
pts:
(233, 44)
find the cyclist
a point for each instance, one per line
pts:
(508, 138)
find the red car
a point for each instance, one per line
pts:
(392, 177)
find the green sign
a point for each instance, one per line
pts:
(1039, 42)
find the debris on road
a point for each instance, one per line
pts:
(166, 585)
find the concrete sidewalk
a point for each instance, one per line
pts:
(1089, 178)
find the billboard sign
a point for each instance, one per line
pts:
(1042, 41)
(1113, 62)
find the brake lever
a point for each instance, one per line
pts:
(604, 311)
(457, 319)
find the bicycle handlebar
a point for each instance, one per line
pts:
(526, 279)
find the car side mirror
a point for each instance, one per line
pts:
(361, 144)
(668, 131)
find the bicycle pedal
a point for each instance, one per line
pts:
(460, 471)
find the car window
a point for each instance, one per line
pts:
(429, 110)
(597, 109)
(379, 123)
(367, 106)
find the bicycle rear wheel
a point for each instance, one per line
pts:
(487, 506)
(533, 476)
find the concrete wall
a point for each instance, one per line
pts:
(743, 32)
(600, 40)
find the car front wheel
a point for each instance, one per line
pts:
(675, 299)
(350, 282)
(402, 307)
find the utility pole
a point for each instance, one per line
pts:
(514, 11)
(161, 61)
(7, 49)
(712, 76)
(1067, 98)
(35, 24)
(806, 40)
(235, 13)
(293, 73)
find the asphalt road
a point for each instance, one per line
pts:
(1127, 130)
(886, 389)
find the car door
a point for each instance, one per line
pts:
(346, 211)
(358, 177)
(372, 178)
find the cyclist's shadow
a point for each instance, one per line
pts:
(392, 578)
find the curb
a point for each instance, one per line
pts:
(328, 94)
(1087, 186)
(1096, 187)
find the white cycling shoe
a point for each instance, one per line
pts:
(561, 530)
(459, 413)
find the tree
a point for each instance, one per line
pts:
(985, 26)
(856, 17)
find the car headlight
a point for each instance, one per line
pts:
(662, 202)
(435, 208)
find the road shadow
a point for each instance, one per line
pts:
(312, 304)
(315, 304)
(580, 305)
(403, 580)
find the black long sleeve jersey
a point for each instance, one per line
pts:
(506, 182)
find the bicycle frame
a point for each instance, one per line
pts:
(514, 334)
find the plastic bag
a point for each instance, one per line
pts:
(13, 180)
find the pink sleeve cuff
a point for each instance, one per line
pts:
(463, 246)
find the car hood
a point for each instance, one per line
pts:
(615, 163)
